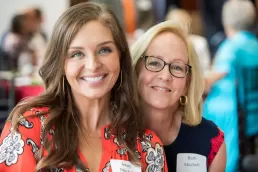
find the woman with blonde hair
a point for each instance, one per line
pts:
(170, 85)
(87, 119)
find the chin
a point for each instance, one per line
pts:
(159, 104)
(93, 95)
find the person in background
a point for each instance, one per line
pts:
(240, 48)
(40, 19)
(199, 43)
(15, 42)
(211, 18)
(88, 118)
(170, 86)
(38, 40)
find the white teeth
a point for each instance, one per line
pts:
(161, 89)
(93, 79)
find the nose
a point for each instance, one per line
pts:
(165, 74)
(92, 63)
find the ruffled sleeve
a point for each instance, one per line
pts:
(216, 143)
(19, 150)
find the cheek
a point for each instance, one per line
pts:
(144, 78)
(180, 85)
(113, 64)
(72, 68)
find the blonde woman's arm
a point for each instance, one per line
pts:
(219, 162)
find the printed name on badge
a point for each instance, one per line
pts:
(190, 162)
(123, 166)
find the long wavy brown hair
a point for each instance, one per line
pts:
(63, 113)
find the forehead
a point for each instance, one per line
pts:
(169, 46)
(92, 33)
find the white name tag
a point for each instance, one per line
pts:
(123, 166)
(190, 162)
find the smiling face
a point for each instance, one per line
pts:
(92, 65)
(161, 90)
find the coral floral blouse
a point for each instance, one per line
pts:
(18, 152)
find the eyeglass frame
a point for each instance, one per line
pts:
(189, 67)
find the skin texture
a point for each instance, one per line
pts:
(92, 67)
(92, 53)
(160, 92)
(219, 162)
(173, 50)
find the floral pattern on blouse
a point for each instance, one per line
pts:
(155, 159)
(11, 148)
(21, 150)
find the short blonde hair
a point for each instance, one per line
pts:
(195, 84)
(239, 15)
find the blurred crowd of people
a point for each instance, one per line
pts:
(24, 43)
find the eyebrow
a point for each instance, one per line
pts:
(174, 60)
(105, 42)
(100, 44)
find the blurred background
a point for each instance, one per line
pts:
(26, 27)
(51, 11)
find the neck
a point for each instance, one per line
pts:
(163, 122)
(230, 32)
(95, 112)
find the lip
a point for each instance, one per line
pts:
(161, 88)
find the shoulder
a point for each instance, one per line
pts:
(149, 137)
(204, 126)
(24, 143)
(207, 124)
(209, 137)
(149, 140)
(151, 150)
(227, 47)
(216, 138)
(36, 111)
(29, 125)
(12, 37)
(36, 115)
(206, 131)
(11, 40)
(209, 127)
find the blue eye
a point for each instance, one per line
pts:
(77, 54)
(105, 51)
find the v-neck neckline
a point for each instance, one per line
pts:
(103, 139)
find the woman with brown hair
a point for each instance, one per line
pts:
(87, 119)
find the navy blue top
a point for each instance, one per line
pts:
(204, 139)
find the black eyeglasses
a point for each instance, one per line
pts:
(156, 64)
